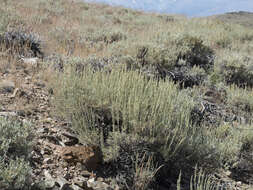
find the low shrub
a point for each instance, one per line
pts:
(107, 37)
(15, 147)
(128, 115)
(133, 159)
(176, 51)
(126, 98)
(21, 43)
(184, 59)
(240, 100)
(235, 68)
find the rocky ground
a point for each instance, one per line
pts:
(58, 160)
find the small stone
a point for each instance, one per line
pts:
(48, 161)
(67, 176)
(85, 173)
(61, 181)
(228, 173)
(66, 187)
(49, 181)
(116, 187)
(76, 187)
(91, 182)
(22, 113)
(71, 140)
(97, 184)
(100, 179)
(238, 183)
(28, 78)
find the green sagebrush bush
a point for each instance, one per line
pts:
(107, 108)
(235, 68)
(21, 43)
(167, 52)
(14, 152)
(182, 58)
(124, 101)
(241, 102)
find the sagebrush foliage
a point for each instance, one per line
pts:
(15, 148)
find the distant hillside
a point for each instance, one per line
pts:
(241, 17)
(190, 8)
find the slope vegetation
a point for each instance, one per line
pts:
(102, 97)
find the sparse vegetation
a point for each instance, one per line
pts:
(15, 147)
(159, 94)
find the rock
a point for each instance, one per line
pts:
(48, 161)
(90, 156)
(85, 173)
(66, 187)
(71, 140)
(228, 173)
(49, 180)
(80, 181)
(67, 176)
(63, 183)
(75, 187)
(100, 179)
(23, 113)
(52, 139)
(97, 185)
(238, 183)
(7, 86)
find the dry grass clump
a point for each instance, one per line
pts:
(15, 147)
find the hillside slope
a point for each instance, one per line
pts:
(242, 18)
(187, 7)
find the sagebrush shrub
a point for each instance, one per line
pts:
(15, 147)
(21, 43)
(235, 68)
(241, 99)
(107, 108)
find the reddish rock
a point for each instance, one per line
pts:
(90, 156)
